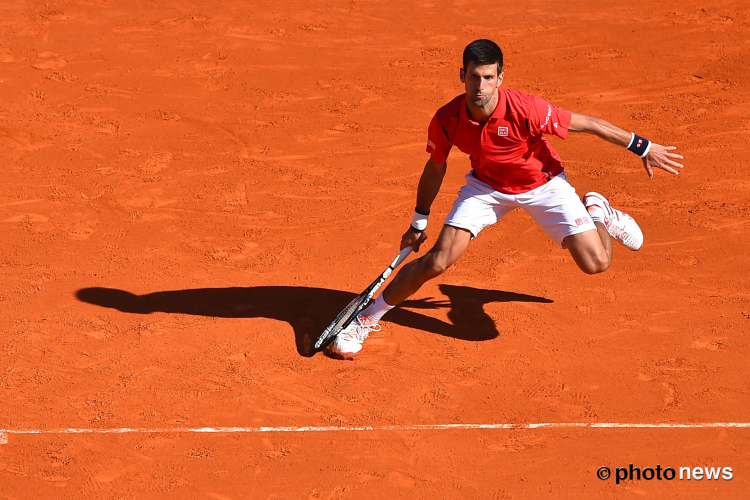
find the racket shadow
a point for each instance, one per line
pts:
(309, 310)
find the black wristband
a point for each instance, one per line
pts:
(639, 145)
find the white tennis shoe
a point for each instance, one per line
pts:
(620, 225)
(349, 341)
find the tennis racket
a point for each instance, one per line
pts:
(356, 306)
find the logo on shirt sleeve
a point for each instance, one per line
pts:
(546, 120)
(502, 131)
(431, 144)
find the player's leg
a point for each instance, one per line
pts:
(557, 209)
(478, 205)
(584, 228)
(451, 244)
(591, 250)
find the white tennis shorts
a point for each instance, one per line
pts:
(555, 206)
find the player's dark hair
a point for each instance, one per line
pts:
(483, 52)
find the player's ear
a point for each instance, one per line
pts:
(462, 75)
(500, 78)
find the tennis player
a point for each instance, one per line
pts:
(513, 166)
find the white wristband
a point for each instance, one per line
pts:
(419, 222)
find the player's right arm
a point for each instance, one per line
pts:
(429, 185)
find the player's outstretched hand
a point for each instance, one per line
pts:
(412, 238)
(661, 157)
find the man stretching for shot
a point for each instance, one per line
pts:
(513, 165)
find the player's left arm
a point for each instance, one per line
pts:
(657, 155)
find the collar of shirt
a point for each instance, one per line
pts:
(496, 114)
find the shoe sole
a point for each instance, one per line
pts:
(340, 355)
(343, 357)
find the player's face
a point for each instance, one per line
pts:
(481, 83)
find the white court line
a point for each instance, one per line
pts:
(426, 427)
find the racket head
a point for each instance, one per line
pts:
(345, 317)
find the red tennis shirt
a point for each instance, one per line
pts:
(510, 151)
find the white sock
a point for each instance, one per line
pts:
(597, 214)
(377, 309)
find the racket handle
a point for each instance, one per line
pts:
(396, 262)
(401, 257)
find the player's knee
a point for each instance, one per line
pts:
(433, 265)
(595, 264)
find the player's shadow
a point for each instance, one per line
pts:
(310, 310)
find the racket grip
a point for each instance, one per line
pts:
(401, 257)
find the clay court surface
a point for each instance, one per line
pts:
(191, 191)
